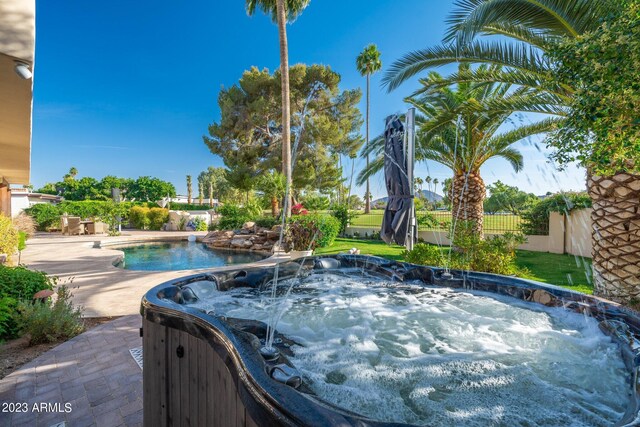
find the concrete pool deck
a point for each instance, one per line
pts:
(93, 372)
(100, 287)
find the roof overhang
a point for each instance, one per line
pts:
(17, 45)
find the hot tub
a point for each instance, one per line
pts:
(202, 367)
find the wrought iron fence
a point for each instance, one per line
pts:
(441, 221)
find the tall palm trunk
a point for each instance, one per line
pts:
(467, 201)
(210, 194)
(275, 206)
(616, 236)
(367, 202)
(286, 109)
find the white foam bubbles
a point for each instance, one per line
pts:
(441, 357)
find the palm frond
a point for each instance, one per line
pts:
(375, 166)
(517, 56)
(553, 17)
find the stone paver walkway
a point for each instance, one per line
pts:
(94, 373)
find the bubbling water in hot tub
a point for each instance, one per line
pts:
(435, 356)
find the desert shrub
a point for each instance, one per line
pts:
(157, 218)
(49, 321)
(494, 254)
(16, 284)
(425, 254)
(8, 236)
(535, 220)
(45, 215)
(344, 216)
(24, 223)
(138, 217)
(233, 216)
(267, 221)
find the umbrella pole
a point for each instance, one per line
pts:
(410, 142)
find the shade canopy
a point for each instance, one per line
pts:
(397, 214)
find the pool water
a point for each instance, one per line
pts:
(166, 256)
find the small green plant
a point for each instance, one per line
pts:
(266, 221)
(182, 223)
(199, 224)
(425, 254)
(342, 213)
(9, 236)
(16, 284)
(50, 321)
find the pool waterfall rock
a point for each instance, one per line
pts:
(234, 384)
(249, 237)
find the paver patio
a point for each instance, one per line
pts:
(94, 371)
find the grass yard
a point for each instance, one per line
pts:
(491, 222)
(567, 271)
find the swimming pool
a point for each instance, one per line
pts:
(167, 256)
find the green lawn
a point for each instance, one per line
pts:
(491, 222)
(562, 270)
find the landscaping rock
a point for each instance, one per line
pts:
(250, 237)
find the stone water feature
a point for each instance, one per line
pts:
(250, 237)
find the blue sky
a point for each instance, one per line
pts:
(128, 88)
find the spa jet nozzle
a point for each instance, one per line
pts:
(286, 375)
(269, 353)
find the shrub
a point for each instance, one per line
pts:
(324, 228)
(426, 219)
(49, 321)
(45, 215)
(425, 254)
(199, 224)
(301, 237)
(8, 236)
(267, 221)
(138, 217)
(157, 218)
(190, 206)
(535, 220)
(495, 254)
(18, 283)
(298, 209)
(24, 223)
(233, 217)
(342, 213)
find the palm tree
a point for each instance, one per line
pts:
(282, 12)
(368, 62)
(418, 186)
(435, 187)
(189, 189)
(273, 186)
(428, 180)
(210, 191)
(459, 129)
(531, 28)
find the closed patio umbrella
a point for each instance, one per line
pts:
(398, 213)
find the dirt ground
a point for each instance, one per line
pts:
(17, 352)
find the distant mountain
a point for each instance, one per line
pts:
(426, 194)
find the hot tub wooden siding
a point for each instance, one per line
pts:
(197, 384)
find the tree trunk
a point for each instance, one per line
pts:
(210, 195)
(286, 113)
(467, 200)
(275, 208)
(367, 196)
(616, 236)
